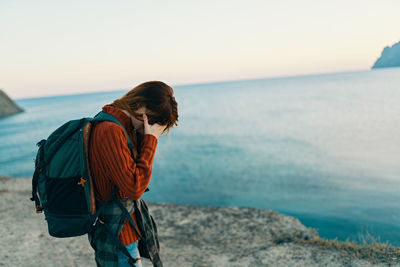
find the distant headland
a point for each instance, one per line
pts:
(7, 106)
(390, 57)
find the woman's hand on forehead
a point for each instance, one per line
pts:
(153, 129)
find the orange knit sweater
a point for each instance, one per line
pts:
(111, 164)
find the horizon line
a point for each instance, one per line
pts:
(200, 83)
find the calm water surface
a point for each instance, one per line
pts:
(323, 148)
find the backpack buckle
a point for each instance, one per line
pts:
(39, 209)
(97, 220)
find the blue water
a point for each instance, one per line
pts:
(323, 148)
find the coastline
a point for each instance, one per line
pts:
(189, 236)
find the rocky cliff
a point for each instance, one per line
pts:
(189, 236)
(7, 106)
(390, 57)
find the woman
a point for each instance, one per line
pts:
(145, 112)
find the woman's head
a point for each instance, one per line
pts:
(156, 98)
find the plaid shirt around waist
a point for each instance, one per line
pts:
(113, 217)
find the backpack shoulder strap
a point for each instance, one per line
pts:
(103, 116)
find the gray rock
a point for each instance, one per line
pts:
(189, 236)
(7, 106)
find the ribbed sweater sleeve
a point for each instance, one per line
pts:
(132, 178)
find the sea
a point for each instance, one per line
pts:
(322, 148)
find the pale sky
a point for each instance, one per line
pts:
(64, 47)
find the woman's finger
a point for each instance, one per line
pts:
(146, 125)
(145, 120)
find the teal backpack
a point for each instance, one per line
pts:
(62, 185)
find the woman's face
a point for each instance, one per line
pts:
(137, 120)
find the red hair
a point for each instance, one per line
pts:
(158, 99)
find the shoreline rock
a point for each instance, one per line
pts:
(390, 57)
(7, 106)
(189, 236)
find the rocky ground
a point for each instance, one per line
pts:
(189, 236)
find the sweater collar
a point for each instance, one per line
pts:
(121, 116)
